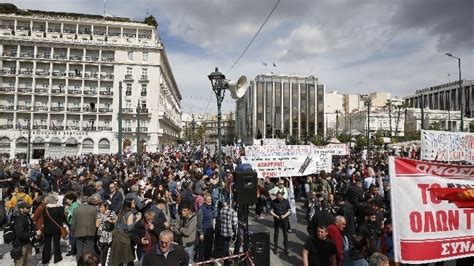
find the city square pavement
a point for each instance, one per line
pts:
(296, 241)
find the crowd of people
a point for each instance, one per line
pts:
(172, 208)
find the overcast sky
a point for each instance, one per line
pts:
(356, 46)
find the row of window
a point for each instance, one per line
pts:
(144, 56)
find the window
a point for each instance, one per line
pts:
(27, 103)
(129, 71)
(10, 121)
(145, 56)
(143, 105)
(130, 55)
(76, 86)
(128, 104)
(10, 102)
(43, 122)
(143, 93)
(144, 73)
(128, 92)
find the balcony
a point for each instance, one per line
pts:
(74, 91)
(105, 110)
(58, 30)
(43, 90)
(105, 128)
(40, 127)
(42, 73)
(23, 108)
(76, 57)
(100, 33)
(128, 77)
(10, 54)
(6, 126)
(127, 110)
(27, 55)
(7, 89)
(56, 127)
(143, 78)
(85, 31)
(69, 31)
(40, 108)
(57, 109)
(57, 91)
(143, 93)
(108, 59)
(25, 90)
(110, 93)
(107, 76)
(144, 36)
(60, 57)
(91, 75)
(114, 34)
(143, 129)
(88, 128)
(128, 93)
(72, 128)
(127, 129)
(94, 58)
(74, 109)
(43, 56)
(28, 72)
(89, 110)
(7, 72)
(7, 27)
(74, 75)
(6, 107)
(59, 73)
(90, 92)
(39, 28)
(144, 110)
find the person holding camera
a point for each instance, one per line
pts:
(280, 210)
(25, 234)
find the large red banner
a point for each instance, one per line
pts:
(432, 211)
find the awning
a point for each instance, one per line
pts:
(38, 140)
(71, 141)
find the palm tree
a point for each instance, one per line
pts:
(389, 105)
(403, 106)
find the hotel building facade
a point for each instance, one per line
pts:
(59, 82)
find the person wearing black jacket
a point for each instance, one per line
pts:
(345, 209)
(280, 211)
(165, 253)
(54, 217)
(145, 234)
(24, 229)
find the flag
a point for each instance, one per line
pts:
(274, 65)
(263, 63)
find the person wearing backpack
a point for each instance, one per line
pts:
(18, 196)
(25, 233)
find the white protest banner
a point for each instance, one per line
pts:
(447, 146)
(337, 148)
(427, 228)
(279, 150)
(287, 166)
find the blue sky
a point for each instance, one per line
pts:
(352, 46)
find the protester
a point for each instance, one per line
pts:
(105, 223)
(166, 253)
(186, 230)
(280, 211)
(25, 234)
(83, 225)
(205, 229)
(319, 250)
(54, 218)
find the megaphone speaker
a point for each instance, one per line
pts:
(237, 88)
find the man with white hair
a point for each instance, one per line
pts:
(166, 252)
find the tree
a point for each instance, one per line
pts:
(151, 20)
(471, 126)
(403, 106)
(318, 140)
(201, 133)
(435, 126)
(389, 105)
(344, 138)
(379, 141)
(361, 142)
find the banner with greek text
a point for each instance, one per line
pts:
(337, 148)
(447, 146)
(429, 223)
(287, 166)
(279, 150)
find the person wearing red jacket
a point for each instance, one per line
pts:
(335, 233)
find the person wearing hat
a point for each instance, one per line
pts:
(24, 234)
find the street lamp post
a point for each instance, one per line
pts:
(461, 88)
(138, 129)
(218, 86)
(337, 121)
(119, 118)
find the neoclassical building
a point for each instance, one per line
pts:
(59, 83)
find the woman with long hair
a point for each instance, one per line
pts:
(121, 250)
